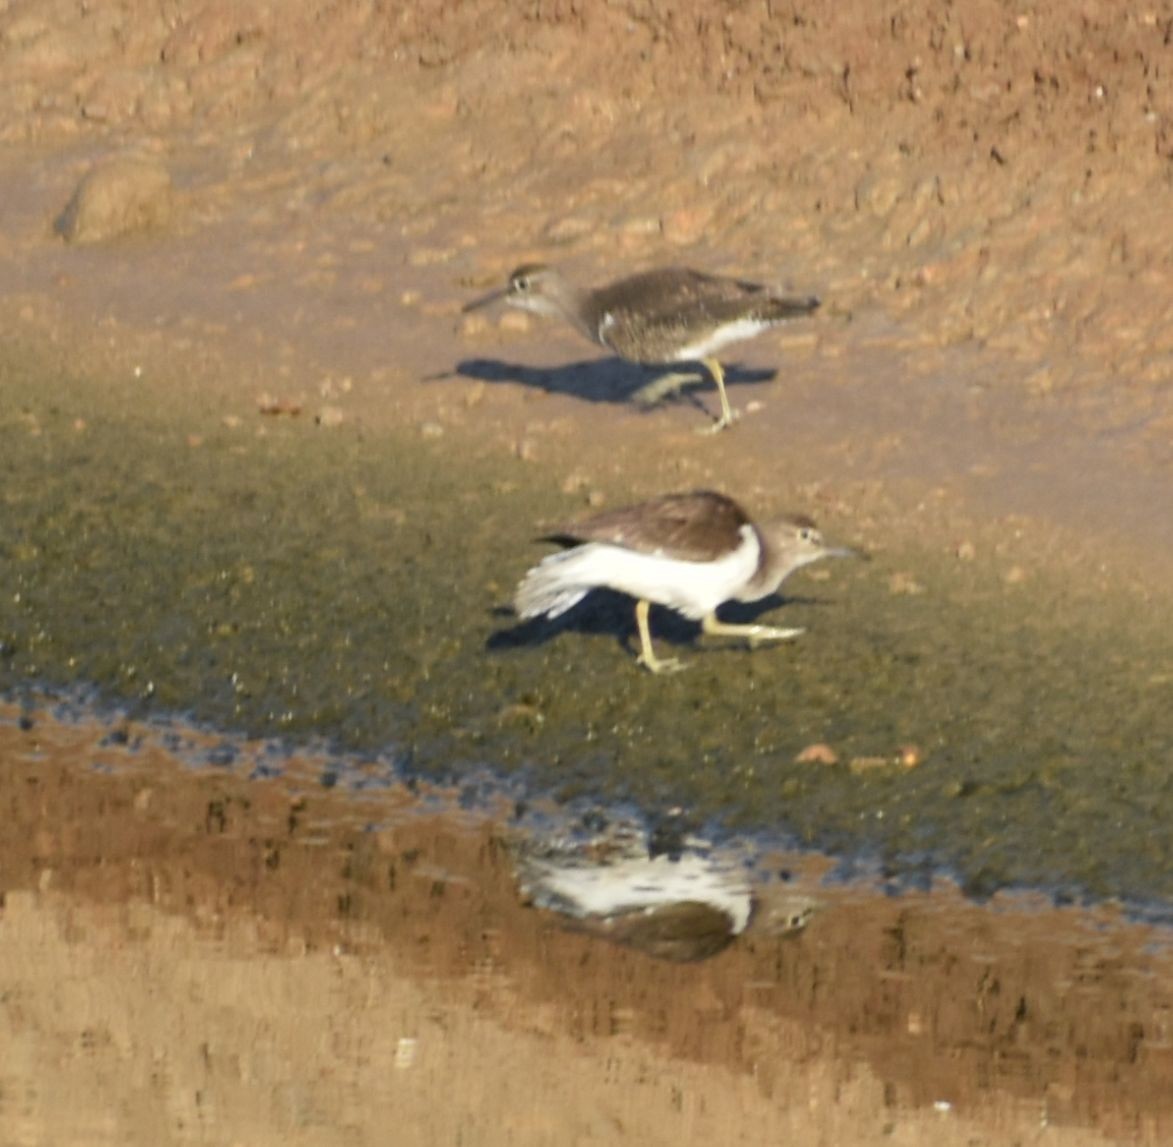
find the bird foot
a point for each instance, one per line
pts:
(655, 665)
(726, 419)
(754, 635)
(760, 633)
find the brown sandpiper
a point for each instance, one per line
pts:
(689, 552)
(659, 317)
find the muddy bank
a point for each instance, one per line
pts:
(286, 579)
(202, 954)
(257, 468)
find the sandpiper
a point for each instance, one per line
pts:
(689, 552)
(670, 315)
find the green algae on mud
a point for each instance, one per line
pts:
(285, 579)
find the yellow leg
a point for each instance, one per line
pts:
(728, 414)
(752, 633)
(647, 656)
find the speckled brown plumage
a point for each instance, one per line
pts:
(695, 527)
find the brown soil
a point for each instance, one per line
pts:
(980, 195)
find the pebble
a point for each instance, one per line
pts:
(819, 753)
(909, 756)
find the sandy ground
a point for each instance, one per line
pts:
(978, 198)
(980, 195)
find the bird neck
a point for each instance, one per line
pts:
(577, 307)
(766, 578)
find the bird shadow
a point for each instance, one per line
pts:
(611, 380)
(610, 613)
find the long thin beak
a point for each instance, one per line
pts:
(847, 552)
(485, 300)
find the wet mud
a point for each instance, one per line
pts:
(296, 584)
(259, 478)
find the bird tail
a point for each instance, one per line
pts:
(782, 307)
(556, 584)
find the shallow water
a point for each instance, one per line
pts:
(284, 579)
(197, 949)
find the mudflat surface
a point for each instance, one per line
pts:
(259, 467)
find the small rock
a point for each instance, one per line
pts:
(526, 450)
(820, 753)
(909, 756)
(125, 195)
(431, 430)
(1015, 575)
(329, 416)
(520, 713)
(966, 551)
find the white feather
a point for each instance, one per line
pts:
(723, 336)
(691, 588)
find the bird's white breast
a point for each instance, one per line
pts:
(691, 588)
(730, 333)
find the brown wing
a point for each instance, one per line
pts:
(671, 291)
(695, 527)
(648, 317)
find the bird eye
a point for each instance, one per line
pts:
(521, 283)
(808, 535)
